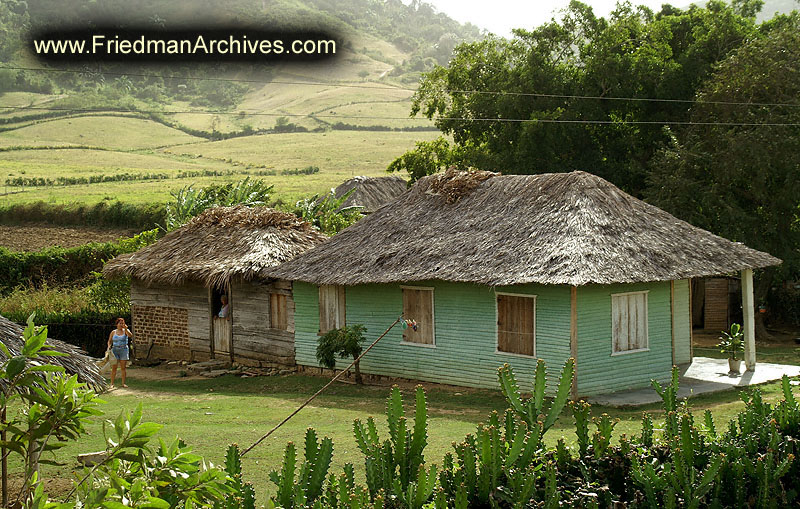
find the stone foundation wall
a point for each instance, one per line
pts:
(167, 328)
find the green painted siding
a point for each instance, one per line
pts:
(465, 332)
(682, 322)
(601, 372)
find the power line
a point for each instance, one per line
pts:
(373, 87)
(197, 78)
(466, 119)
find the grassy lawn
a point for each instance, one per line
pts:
(211, 413)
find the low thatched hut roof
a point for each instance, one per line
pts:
(371, 192)
(558, 228)
(75, 363)
(220, 244)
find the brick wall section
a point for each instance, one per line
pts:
(166, 327)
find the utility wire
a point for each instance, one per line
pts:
(466, 119)
(372, 87)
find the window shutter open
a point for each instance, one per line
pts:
(331, 307)
(629, 322)
(418, 305)
(277, 311)
(516, 324)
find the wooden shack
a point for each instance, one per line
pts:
(178, 283)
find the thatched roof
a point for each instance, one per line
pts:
(371, 192)
(76, 363)
(559, 228)
(220, 244)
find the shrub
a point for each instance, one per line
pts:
(119, 214)
(343, 343)
(505, 463)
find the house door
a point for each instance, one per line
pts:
(221, 334)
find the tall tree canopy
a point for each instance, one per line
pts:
(732, 174)
(579, 64)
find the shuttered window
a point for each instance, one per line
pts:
(516, 324)
(418, 306)
(629, 322)
(277, 311)
(331, 307)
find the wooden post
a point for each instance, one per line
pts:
(573, 337)
(672, 316)
(691, 322)
(229, 290)
(749, 326)
(211, 322)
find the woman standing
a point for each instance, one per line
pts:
(118, 343)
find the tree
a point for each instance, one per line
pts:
(344, 342)
(578, 64)
(732, 172)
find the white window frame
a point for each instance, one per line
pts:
(646, 323)
(497, 331)
(433, 316)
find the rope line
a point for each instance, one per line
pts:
(309, 400)
(367, 117)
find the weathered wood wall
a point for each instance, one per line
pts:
(255, 342)
(715, 316)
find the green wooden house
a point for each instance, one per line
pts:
(509, 269)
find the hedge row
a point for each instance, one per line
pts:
(63, 266)
(118, 214)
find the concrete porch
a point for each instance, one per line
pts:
(703, 375)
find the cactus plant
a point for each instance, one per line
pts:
(402, 454)
(308, 486)
(532, 409)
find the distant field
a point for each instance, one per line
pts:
(339, 155)
(113, 132)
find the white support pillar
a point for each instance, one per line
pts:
(749, 325)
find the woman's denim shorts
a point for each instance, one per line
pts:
(120, 352)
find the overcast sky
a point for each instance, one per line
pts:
(500, 16)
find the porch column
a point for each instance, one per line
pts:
(749, 325)
(573, 338)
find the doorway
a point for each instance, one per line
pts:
(220, 317)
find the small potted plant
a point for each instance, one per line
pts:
(732, 343)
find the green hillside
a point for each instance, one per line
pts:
(136, 132)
